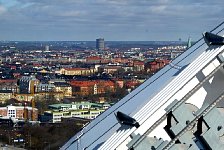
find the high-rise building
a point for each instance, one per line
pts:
(100, 44)
(47, 48)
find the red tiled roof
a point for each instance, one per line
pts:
(153, 63)
(132, 83)
(7, 81)
(93, 58)
(138, 63)
(37, 65)
(71, 69)
(91, 83)
(112, 67)
(13, 67)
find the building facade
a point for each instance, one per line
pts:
(28, 84)
(85, 110)
(92, 87)
(100, 44)
(77, 71)
(19, 112)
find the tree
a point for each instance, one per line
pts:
(49, 135)
(119, 72)
(42, 103)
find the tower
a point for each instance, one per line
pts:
(189, 43)
(100, 44)
(47, 48)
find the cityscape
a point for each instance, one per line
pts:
(47, 85)
(111, 75)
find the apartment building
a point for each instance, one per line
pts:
(85, 110)
(92, 87)
(19, 112)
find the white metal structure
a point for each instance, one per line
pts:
(195, 77)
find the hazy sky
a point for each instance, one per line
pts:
(125, 20)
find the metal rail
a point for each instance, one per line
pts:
(184, 99)
(191, 124)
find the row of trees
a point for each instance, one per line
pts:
(39, 137)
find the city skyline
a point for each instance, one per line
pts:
(113, 20)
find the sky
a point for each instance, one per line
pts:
(113, 20)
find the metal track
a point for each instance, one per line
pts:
(185, 98)
(191, 124)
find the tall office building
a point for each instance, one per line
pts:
(47, 48)
(100, 44)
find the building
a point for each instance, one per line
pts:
(179, 108)
(44, 87)
(1, 60)
(93, 60)
(57, 116)
(77, 71)
(155, 65)
(189, 42)
(19, 112)
(138, 65)
(85, 110)
(92, 87)
(100, 44)
(63, 87)
(8, 85)
(78, 106)
(121, 60)
(109, 69)
(5, 95)
(28, 84)
(132, 84)
(24, 97)
(47, 48)
(175, 53)
(7, 89)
